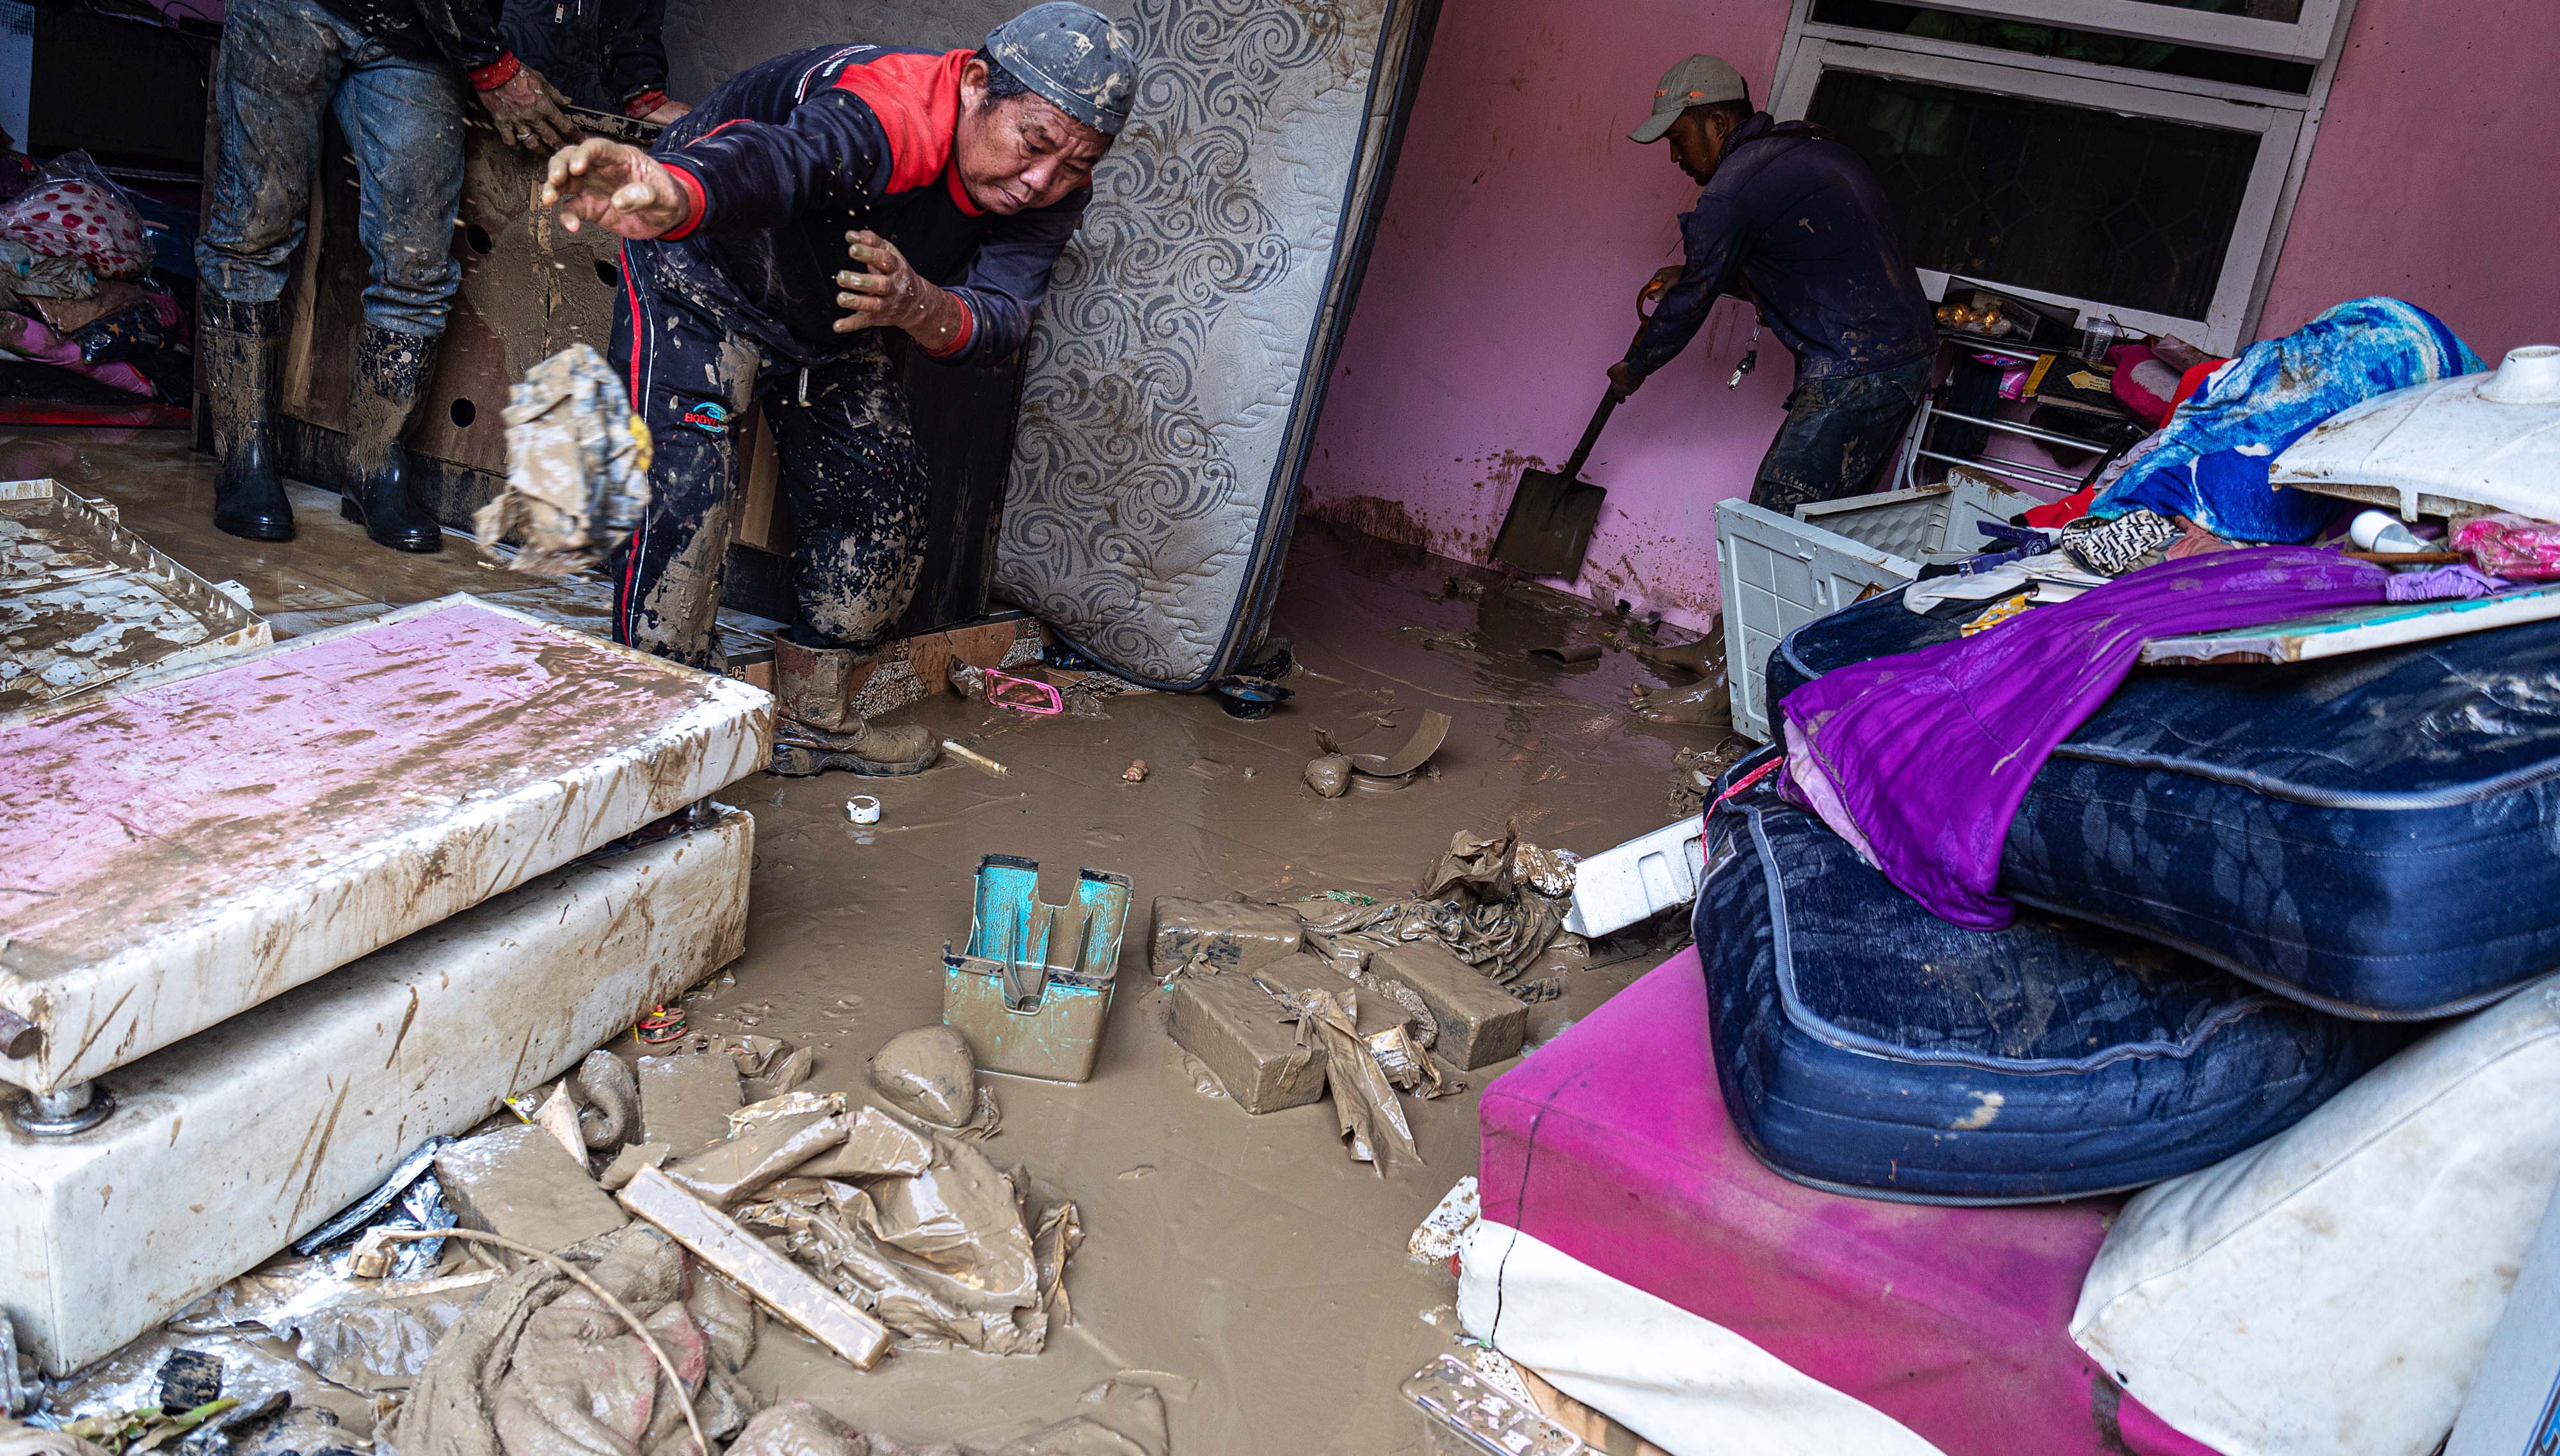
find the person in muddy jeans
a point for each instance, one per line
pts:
(605, 55)
(952, 181)
(1795, 215)
(394, 74)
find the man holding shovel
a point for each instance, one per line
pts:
(1795, 215)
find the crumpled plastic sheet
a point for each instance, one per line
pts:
(409, 1198)
(937, 1246)
(577, 466)
(1496, 902)
(768, 1066)
(1363, 1097)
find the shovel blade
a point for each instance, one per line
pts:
(1548, 526)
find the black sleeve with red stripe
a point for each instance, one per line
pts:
(1008, 278)
(753, 175)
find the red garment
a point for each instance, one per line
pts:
(2064, 511)
(2192, 380)
(917, 101)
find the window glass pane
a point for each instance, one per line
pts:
(2287, 10)
(2128, 211)
(2162, 58)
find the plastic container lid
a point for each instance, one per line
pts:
(2461, 446)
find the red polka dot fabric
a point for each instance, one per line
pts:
(70, 215)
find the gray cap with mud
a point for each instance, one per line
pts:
(1700, 81)
(1073, 56)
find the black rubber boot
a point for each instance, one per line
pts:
(240, 343)
(383, 391)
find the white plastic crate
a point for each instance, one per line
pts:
(1644, 877)
(1779, 573)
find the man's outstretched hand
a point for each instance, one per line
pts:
(526, 110)
(889, 294)
(1622, 381)
(617, 187)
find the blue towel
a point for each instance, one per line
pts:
(2212, 461)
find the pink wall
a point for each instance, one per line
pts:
(1520, 226)
(1521, 222)
(2436, 177)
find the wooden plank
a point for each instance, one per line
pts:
(777, 1283)
(2357, 630)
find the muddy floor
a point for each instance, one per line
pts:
(1244, 1264)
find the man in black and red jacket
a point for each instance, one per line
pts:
(395, 74)
(950, 182)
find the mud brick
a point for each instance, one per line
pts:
(1480, 1021)
(1235, 1025)
(1232, 934)
(519, 1182)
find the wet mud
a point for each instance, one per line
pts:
(1232, 1264)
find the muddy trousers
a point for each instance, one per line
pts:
(1839, 433)
(284, 64)
(850, 471)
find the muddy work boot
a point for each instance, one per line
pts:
(819, 730)
(390, 376)
(239, 343)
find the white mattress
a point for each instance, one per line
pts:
(1172, 377)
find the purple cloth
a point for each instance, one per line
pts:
(2459, 582)
(1921, 759)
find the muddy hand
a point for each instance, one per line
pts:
(1622, 380)
(527, 112)
(884, 292)
(619, 188)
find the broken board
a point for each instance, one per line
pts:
(2356, 629)
(179, 853)
(241, 1139)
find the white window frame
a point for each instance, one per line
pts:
(2286, 124)
(2305, 39)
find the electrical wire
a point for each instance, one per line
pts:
(684, 1396)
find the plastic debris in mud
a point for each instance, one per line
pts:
(1364, 1101)
(1443, 1230)
(1464, 1412)
(1393, 768)
(1496, 902)
(1136, 772)
(409, 1198)
(863, 809)
(577, 468)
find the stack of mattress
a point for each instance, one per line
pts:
(2240, 884)
(269, 925)
(2246, 892)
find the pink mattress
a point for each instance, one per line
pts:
(1612, 1145)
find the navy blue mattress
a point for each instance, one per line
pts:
(2375, 834)
(1866, 1045)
